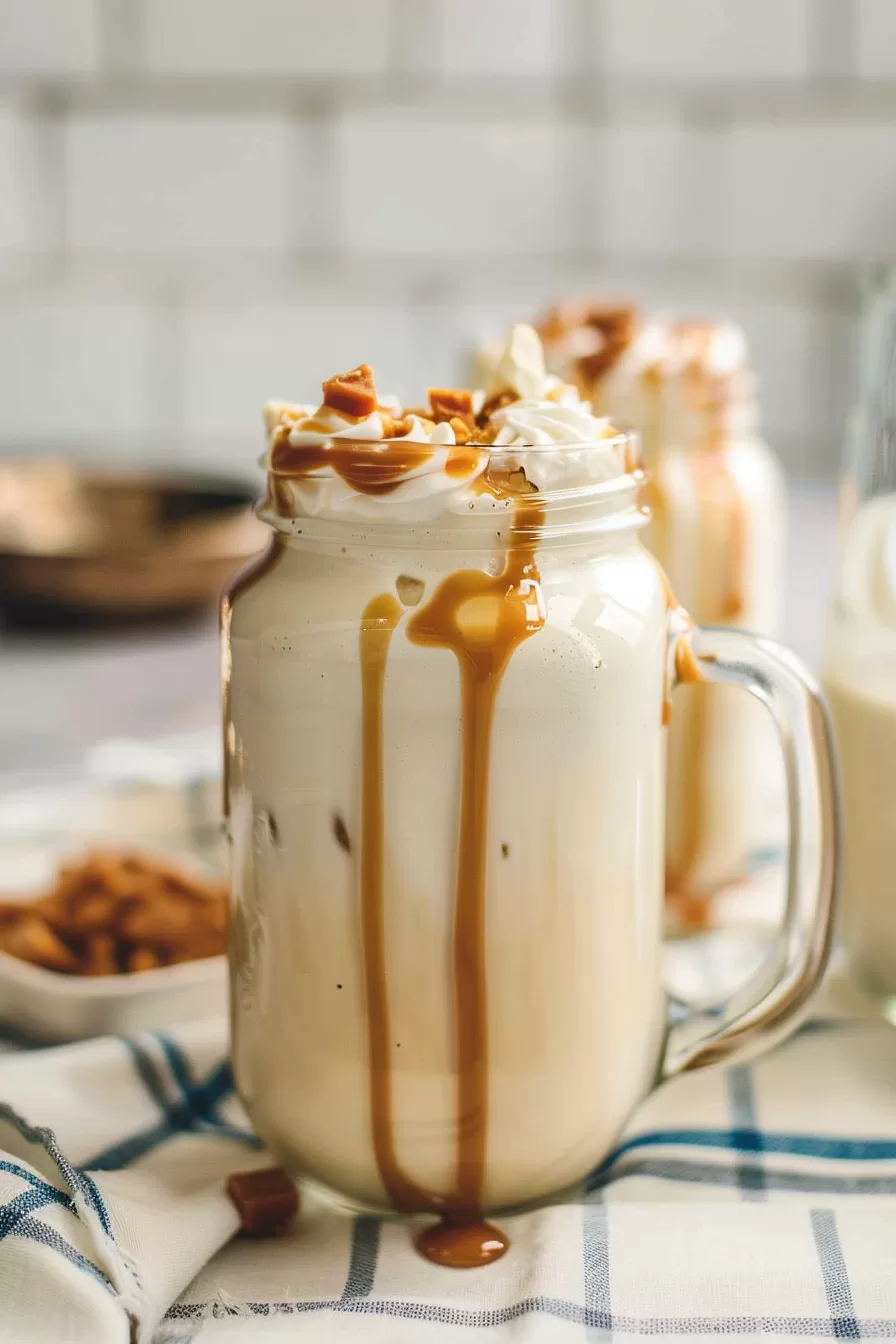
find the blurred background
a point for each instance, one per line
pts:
(204, 203)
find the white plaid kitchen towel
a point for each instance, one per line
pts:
(753, 1201)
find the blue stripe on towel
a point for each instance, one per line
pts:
(193, 1111)
(594, 1318)
(28, 1202)
(834, 1273)
(835, 1149)
(35, 1230)
(689, 1172)
(74, 1179)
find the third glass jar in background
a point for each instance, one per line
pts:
(716, 493)
(860, 657)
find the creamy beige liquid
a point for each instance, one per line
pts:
(478, 1039)
(865, 727)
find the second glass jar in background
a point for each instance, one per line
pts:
(716, 493)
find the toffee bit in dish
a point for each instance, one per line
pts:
(111, 912)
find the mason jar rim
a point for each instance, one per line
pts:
(571, 515)
(621, 437)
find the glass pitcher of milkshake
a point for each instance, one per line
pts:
(717, 501)
(446, 690)
(860, 660)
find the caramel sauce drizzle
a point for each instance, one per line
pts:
(687, 664)
(721, 539)
(687, 669)
(371, 467)
(723, 520)
(378, 624)
(612, 327)
(481, 619)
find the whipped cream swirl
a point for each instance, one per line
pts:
(527, 419)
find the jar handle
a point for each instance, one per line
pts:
(756, 1015)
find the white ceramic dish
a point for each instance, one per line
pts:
(45, 1006)
(163, 797)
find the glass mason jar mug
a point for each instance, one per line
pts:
(446, 783)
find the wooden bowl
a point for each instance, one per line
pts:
(119, 543)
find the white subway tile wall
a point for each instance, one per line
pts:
(264, 37)
(161, 183)
(207, 202)
(430, 184)
(876, 39)
(237, 356)
(823, 191)
(636, 186)
(487, 39)
(50, 37)
(709, 40)
(75, 369)
(19, 168)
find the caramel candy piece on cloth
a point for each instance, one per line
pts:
(266, 1201)
(352, 393)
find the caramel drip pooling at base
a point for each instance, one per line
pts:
(461, 1244)
(481, 619)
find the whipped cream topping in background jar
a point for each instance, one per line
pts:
(718, 528)
(860, 658)
(446, 687)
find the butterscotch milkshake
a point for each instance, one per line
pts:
(445, 689)
(716, 494)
